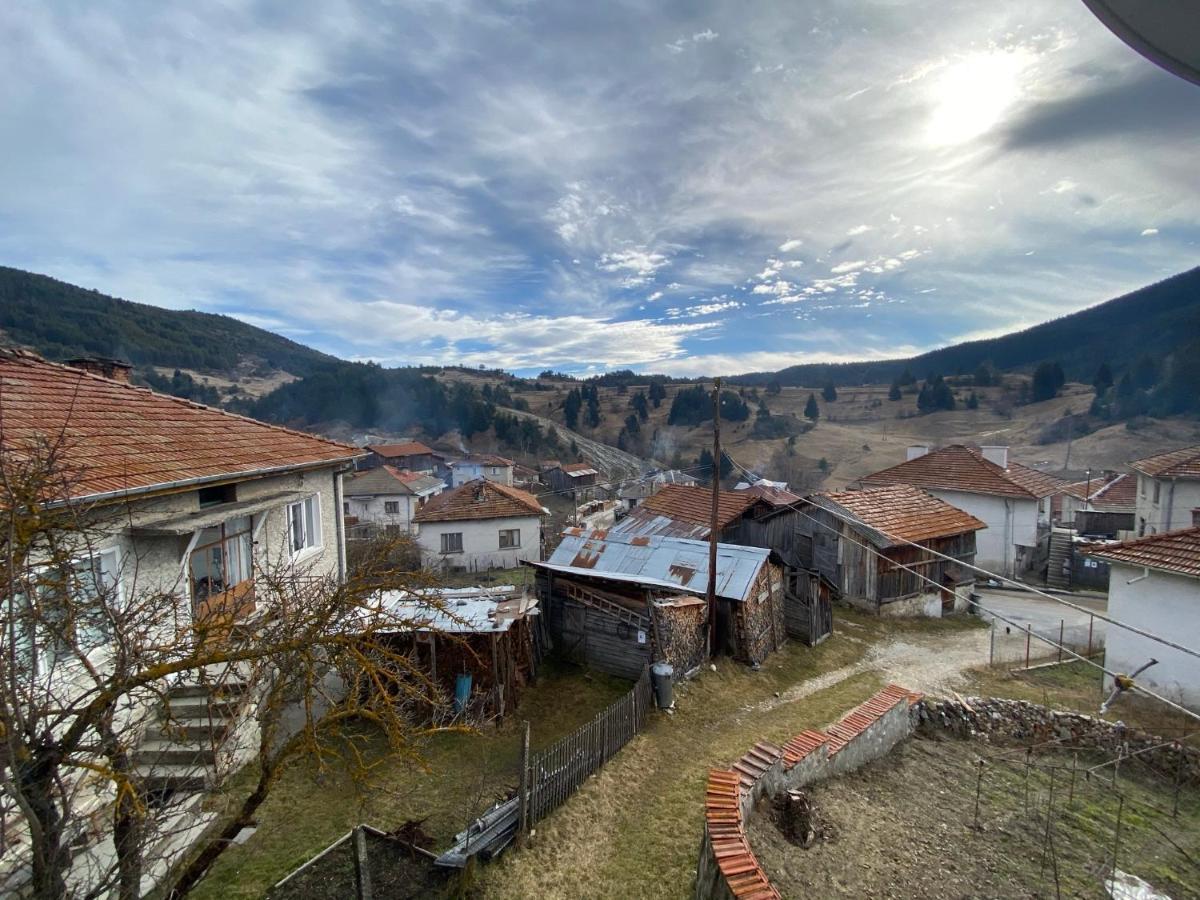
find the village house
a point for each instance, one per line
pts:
(681, 511)
(1168, 490)
(860, 539)
(577, 479)
(618, 602)
(1154, 585)
(1102, 506)
(493, 468)
(1012, 500)
(480, 525)
(412, 456)
(185, 504)
(386, 497)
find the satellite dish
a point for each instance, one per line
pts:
(1166, 32)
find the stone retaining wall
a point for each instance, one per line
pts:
(1031, 725)
(728, 868)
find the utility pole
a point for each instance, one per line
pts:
(713, 520)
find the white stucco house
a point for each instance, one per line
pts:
(181, 506)
(493, 468)
(1168, 491)
(1154, 585)
(1013, 501)
(479, 526)
(388, 497)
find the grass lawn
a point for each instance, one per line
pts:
(521, 575)
(466, 772)
(1076, 686)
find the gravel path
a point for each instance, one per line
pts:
(931, 663)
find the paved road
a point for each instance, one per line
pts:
(1044, 617)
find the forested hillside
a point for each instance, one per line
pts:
(60, 320)
(1156, 320)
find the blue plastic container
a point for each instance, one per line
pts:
(462, 692)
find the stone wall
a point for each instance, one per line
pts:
(1028, 724)
(727, 867)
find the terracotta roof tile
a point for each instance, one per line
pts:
(960, 468)
(404, 448)
(1108, 493)
(1171, 551)
(776, 496)
(902, 512)
(389, 480)
(483, 459)
(685, 503)
(120, 438)
(1182, 463)
(479, 499)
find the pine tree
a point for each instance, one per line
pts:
(811, 410)
(894, 391)
(829, 392)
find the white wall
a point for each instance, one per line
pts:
(1162, 604)
(462, 472)
(1010, 521)
(371, 509)
(1176, 500)
(481, 543)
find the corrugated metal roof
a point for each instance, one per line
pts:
(658, 561)
(449, 614)
(644, 522)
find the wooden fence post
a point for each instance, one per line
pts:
(523, 802)
(362, 870)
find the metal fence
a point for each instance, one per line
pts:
(1026, 644)
(555, 773)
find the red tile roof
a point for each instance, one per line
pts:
(479, 499)
(384, 480)
(1171, 551)
(959, 468)
(694, 504)
(483, 459)
(122, 439)
(580, 468)
(1111, 492)
(404, 448)
(1182, 463)
(901, 512)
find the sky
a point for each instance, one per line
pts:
(680, 187)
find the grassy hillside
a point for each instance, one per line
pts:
(1153, 320)
(60, 320)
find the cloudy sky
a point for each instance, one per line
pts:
(671, 186)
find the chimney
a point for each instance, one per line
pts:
(916, 451)
(116, 369)
(997, 455)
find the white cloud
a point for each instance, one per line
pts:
(703, 309)
(789, 245)
(850, 266)
(1149, 232)
(778, 288)
(657, 295)
(857, 230)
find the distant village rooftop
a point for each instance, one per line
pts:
(899, 513)
(122, 440)
(479, 499)
(402, 448)
(389, 480)
(961, 468)
(1182, 463)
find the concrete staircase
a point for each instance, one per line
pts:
(180, 751)
(1060, 553)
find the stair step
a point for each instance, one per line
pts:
(201, 707)
(178, 753)
(173, 778)
(216, 689)
(195, 730)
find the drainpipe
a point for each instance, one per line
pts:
(1008, 537)
(340, 518)
(1170, 506)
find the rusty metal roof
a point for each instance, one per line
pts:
(658, 561)
(119, 439)
(899, 512)
(1177, 552)
(643, 522)
(1182, 463)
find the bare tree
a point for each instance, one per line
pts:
(89, 655)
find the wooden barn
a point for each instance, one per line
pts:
(619, 602)
(859, 539)
(484, 645)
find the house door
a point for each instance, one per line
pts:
(221, 577)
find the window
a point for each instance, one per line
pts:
(510, 538)
(215, 496)
(391, 507)
(1156, 487)
(75, 603)
(494, 470)
(304, 524)
(222, 558)
(346, 508)
(452, 542)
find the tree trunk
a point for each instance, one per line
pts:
(51, 859)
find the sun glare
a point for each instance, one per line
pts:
(972, 95)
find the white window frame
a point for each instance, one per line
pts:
(510, 531)
(47, 653)
(391, 507)
(444, 542)
(309, 522)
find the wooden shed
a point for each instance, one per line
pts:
(874, 544)
(495, 639)
(617, 602)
